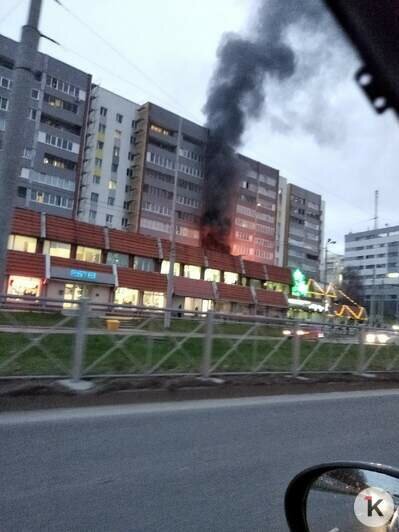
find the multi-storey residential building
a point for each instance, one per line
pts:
(54, 131)
(374, 256)
(153, 174)
(254, 212)
(300, 229)
(106, 175)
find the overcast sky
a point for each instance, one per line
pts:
(334, 144)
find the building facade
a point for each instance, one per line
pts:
(335, 266)
(300, 229)
(374, 256)
(108, 155)
(54, 131)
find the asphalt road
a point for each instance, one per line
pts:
(219, 465)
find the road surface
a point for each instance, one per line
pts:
(219, 465)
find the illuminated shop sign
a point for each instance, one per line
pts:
(299, 284)
(83, 275)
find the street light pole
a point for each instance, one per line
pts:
(172, 254)
(329, 241)
(14, 139)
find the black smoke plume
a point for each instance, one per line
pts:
(237, 94)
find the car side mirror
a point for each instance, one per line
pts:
(344, 496)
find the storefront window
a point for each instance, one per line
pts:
(256, 283)
(192, 272)
(230, 278)
(277, 287)
(154, 299)
(22, 243)
(117, 258)
(24, 286)
(212, 275)
(126, 296)
(165, 268)
(88, 254)
(195, 304)
(57, 249)
(144, 264)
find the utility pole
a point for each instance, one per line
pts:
(14, 138)
(172, 254)
(376, 194)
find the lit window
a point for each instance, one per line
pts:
(57, 249)
(22, 243)
(112, 184)
(121, 259)
(166, 265)
(154, 299)
(192, 272)
(195, 304)
(88, 254)
(212, 275)
(144, 264)
(126, 296)
(23, 286)
(230, 278)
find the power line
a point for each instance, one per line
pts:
(10, 11)
(123, 56)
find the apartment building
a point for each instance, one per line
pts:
(374, 255)
(109, 148)
(300, 224)
(335, 266)
(54, 131)
(165, 142)
(254, 213)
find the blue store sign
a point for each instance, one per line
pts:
(83, 275)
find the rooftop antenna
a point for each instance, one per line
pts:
(376, 194)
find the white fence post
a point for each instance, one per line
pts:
(296, 352)
(80, 340)
(207, 348)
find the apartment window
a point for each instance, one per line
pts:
(124, 222)
(98, 162)
(155, 225)
(96, 179)
(27, 153)
(100, 145)
(58, 162)
(6, 83)
(32, 114)
(22, 243)
(112, 184)
(119, 118)
(101, 128)
(103, 111)
(88, 254)
(212, 275)
(48, 198)
(21, 192)
(166, 265)
(117, 134)
(192, 272)
(53, 101)
(144, 264)
(121, 259)
(126, 296)
(57, 249)
(94, 197)
(111, 201)
(230, 278)
(109, 218)
(35, 94)
(92, 215)
(160, 130)
(114, 167)
(116, 151)
(154, 299)
(3, 103)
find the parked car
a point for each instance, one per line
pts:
(308, 333)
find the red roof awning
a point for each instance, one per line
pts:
(278, 274)
(26, 223)
(147, 281)
(231, 292)
(25, 264)
(271, 298)
(193, 288)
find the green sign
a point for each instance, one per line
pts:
(299, 284)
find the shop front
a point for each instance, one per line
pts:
(19, 285)
(72, 284)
